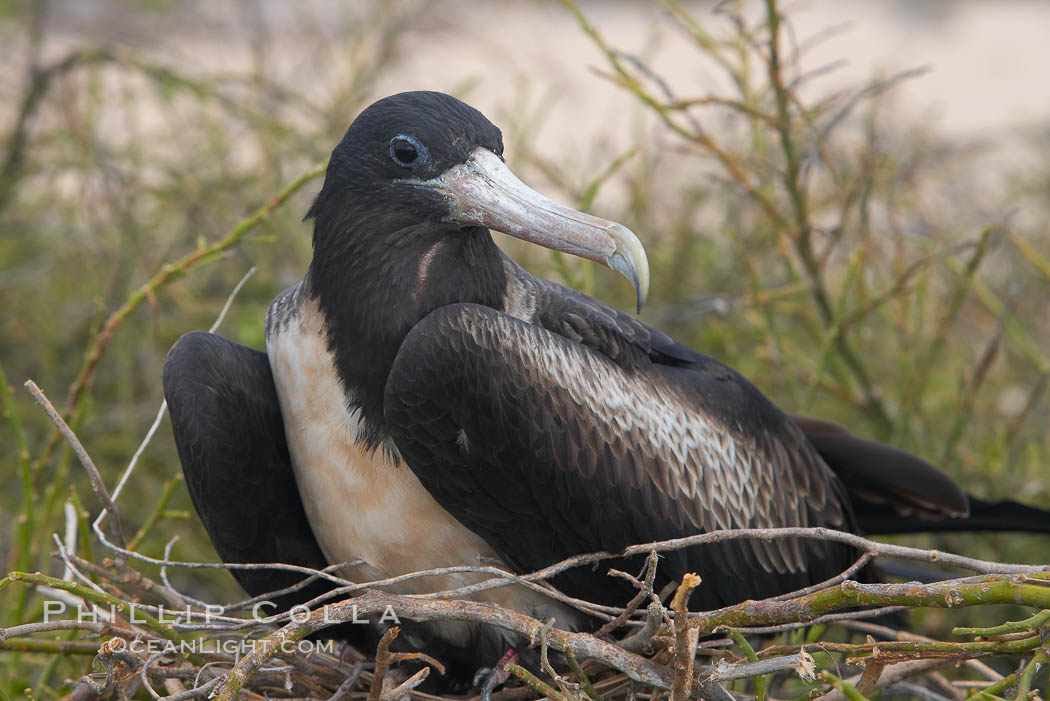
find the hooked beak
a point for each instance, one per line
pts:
(485, 192)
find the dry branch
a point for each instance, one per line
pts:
(98, 485)
(686, 637)
(1024, 584)
(382, 661)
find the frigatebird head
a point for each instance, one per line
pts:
(440, 161)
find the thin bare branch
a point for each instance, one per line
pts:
(97, 484)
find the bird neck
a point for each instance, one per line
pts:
(372, 289)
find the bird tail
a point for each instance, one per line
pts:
(880, 519)
(893, 491)
(987, 516)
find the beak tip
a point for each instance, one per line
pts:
(630, 260)
(641, 287)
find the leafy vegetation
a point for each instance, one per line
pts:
(852, 266)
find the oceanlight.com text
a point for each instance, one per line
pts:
(226, 645)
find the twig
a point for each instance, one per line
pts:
(406, 686)
(51, 626)
(1028, 625)
(832, 581)
(144, 676)
(164, 575)
(843, 687)
(196, 692)
(800, 663)
(905, 649)
(382, 662)
(50, 647)
(581, 676)
(873, 669)
(641, 638)
(685, 638)
(97, 484)
(761, 692)
(1024, 683)
(308, 571)
(846, 616)
(1003, 684)
(535, 683)
(71, 569)
(127, 576)
(271, 595)
(70, 536)
(645, 591)
(858, 542)
(949, 594)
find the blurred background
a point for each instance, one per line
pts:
(857, 221)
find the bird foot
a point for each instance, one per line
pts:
(488, 678)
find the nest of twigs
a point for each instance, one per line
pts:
(148, 638)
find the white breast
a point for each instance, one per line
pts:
(361, 504)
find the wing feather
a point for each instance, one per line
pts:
(593, 452)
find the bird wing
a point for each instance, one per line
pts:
(231, 442)
(549, 443)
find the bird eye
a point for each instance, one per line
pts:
(407, 152)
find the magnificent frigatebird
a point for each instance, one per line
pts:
(425, 402)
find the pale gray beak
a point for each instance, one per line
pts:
(485, 192)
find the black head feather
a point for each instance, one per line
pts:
(372, 230)
(365, 162)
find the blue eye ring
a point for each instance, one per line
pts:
(404, 146)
